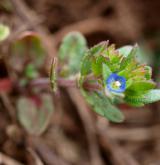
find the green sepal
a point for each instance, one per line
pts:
(148, 74)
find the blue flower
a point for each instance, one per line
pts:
(116, 83)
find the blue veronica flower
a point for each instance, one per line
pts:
(116, 83)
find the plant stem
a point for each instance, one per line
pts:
(63, 83)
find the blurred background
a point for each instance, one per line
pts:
(39, 128)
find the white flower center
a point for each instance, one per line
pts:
(117, 83)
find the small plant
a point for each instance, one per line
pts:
(34, 105)
(106, 76)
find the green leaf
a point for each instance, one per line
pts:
(129, 83)
(146, 98)
(103, 107)
(106, 72)
(126, 61)
(86, 65)
(72, 50)
(34, 118)
(142, 85)
(4, 32)
(92, 60)
(97, 65)
(152, 96)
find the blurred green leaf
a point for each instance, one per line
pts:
(28, 48)
(103, 106)
(30, 71)
(4, 32)
(72, 51)
(34, 118)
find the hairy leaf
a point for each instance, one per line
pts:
(142, 85)
(146, 98)
(72, 51)
(103, 107)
